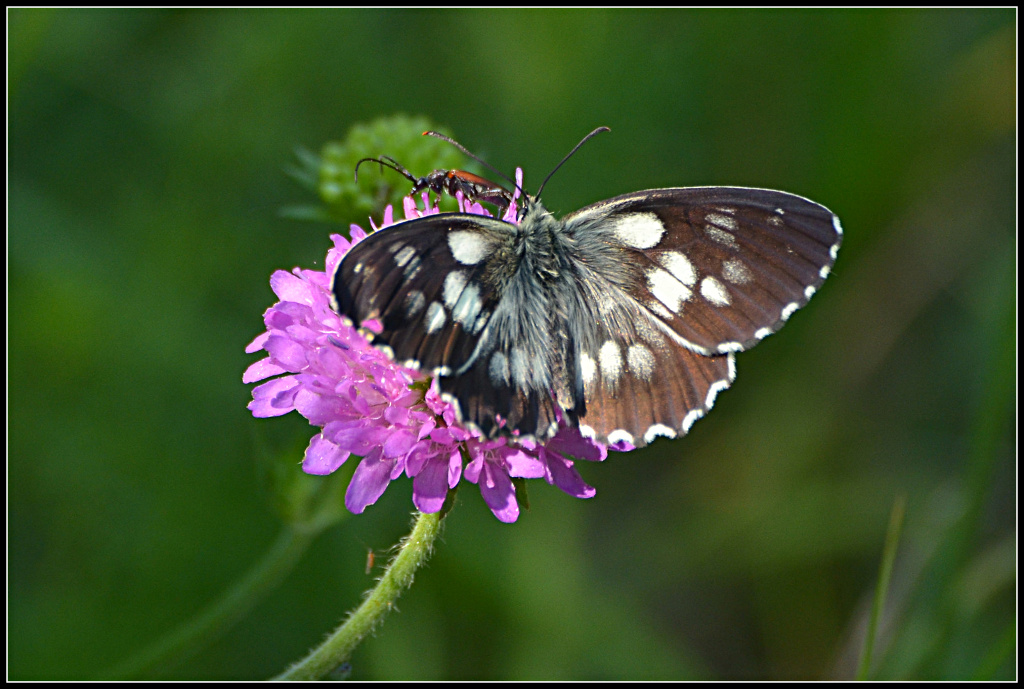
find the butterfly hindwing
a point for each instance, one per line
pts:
(722, 266)
(488, 398)
(634, 378)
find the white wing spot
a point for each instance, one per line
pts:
(835, 224)
(727, 347)
(454, 283)
(468, 305)
(498, 369)
(649, 333)
(481, 321)
(668, 290)
(714, 291)
(638, 230)
(413, 268)
(809, 291)
(690, 419)
(677, 264)
(713, 392)
(736, 272)
(468, 248)
(414, 303)
(719, 235)
(588, 368)
(641, 361)
(824, 271)
(789, 310)
(619, 435)
(659, 308)
(610, 358)
(435, 317)
(659, 429)
(763, 333)
(552, 429)
(403, 256)
(724, 221)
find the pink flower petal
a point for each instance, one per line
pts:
(569, 441)
(287, 352)
(499, 494)
(369, 482)
(288, 287)
(257, 344)
(323, 457)
(564, 476)
(524, 465)
(399, 443)
(454, 468)
(264, 368)
(430, 486)
(274, 398)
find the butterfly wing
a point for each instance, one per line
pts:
(676, 280)
(636, 378)
(722, 266)
(425, 282)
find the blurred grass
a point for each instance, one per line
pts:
(146, 164)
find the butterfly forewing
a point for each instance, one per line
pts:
(425, 281)
(722, 266)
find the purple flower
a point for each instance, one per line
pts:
(366, 405)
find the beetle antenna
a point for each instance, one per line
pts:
(386, 161)
(462, 148)
(587, 138)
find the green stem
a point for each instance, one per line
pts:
(892, 539)
(338, 648)
(200, 631)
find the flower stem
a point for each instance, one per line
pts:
(199, 632)
(338, 648)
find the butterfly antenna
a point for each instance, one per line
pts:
(385, 161)
(587, 138)
(462, 148)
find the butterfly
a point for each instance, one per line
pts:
(621, 319)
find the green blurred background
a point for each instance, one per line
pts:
(147, 152)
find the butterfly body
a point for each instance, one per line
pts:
(621, 318)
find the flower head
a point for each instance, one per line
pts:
(369, 406)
